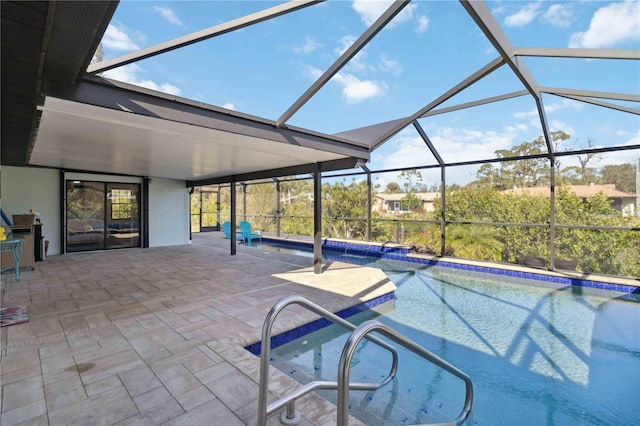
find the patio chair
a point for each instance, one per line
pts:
(226, 227)
(248, 234)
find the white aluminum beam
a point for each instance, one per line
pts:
(201, 35)
(374, 29)
(576, 53)
(427, 141)
(591, 94)
(600, 103)
(477, 103)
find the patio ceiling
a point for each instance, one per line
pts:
(113, 127)
(58, 112)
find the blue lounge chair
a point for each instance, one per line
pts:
(248, 234)
(226, 227)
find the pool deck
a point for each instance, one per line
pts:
(155, 336)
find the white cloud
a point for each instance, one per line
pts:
(117, 39)
(551, 108)
(309, 46)
(558, 15)
(499, 10)
(563, 104)
(345, 42)
(452, 143)
(517, 128)
(129, 74)
(229, 105)
(370, 10)
(461, 144)
(526, 114)
(523, 17)
(168, 14)
(610, 25)
(357, 63)
(390, 65)
(355, 90)
(634, 139)
(312, 73)
(557, 125)
(422, 23)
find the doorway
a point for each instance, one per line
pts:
(205, 210)
(101, 215)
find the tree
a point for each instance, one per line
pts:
(412, 180)
(584, 159)
(392, 188)
(344, 208)
(622, 175)
(525, 172)
(412, 202)
(487, 175)
(261, 204)
(296, 207)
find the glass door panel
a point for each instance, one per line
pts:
(123, 215)
(195, 210)
(209, 211)
(85, 216)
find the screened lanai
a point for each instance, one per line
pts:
(507, 113)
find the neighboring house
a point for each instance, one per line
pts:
(621, 201)
(393, 203)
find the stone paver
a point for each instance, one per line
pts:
(155, 336)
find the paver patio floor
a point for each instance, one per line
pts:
(155, 336)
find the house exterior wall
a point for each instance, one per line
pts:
(25, 188)
(168, 212)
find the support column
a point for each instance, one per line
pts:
(552, 218)
(233, 216)
(443, 223)
(218, 209)
(317, 221)
(244, 201)
(278, 206)
(368, 230)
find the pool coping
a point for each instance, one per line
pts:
(401, 252)
(303, 330)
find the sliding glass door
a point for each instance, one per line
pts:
(123, 215)
(102, 215)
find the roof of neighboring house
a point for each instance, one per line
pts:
(580, 190)
(424, 196)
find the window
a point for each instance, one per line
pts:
(121, 201)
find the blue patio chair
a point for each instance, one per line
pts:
(226, 227)
(248, 234)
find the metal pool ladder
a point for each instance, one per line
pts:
(291, 416)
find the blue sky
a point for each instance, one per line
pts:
(426, 50)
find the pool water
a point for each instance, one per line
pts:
(537, 353)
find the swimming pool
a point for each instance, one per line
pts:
(537, 352)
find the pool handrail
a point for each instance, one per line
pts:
(289, 400)
(361, 332)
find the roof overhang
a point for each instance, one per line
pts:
(107, 126)
(42, 40)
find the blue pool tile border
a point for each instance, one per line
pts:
(305, 329)
(333, 249)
